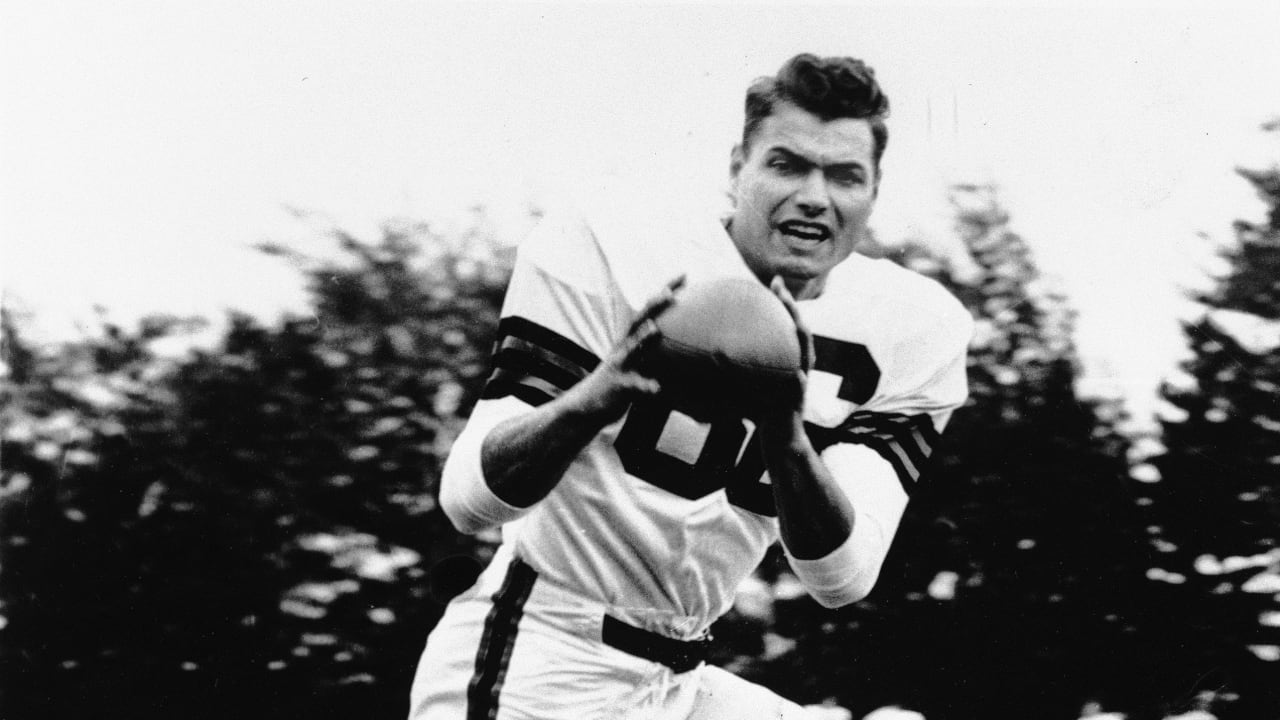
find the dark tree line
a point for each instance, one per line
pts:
(1217, 507)
(249, 531)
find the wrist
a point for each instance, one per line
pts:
(783, 431)
(582, 409)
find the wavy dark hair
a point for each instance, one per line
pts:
(831, 88)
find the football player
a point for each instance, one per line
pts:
(627, 525)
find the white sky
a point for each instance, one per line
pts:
(145, 146)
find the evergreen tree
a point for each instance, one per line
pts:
(1218, 498)
(1029, 512)
(249, 531)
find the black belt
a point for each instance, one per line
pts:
(679, 655)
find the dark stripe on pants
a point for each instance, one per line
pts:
(498, 640)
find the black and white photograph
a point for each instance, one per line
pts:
(629, 360)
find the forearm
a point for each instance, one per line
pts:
(509, 456)
(524, 457)
(499, 468)
(836, 569)
(814, 514)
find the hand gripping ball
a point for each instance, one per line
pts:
(727, 347)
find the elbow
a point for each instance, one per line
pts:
(468, 502)
(833, 601)
(461, 521)
(454, 503)
(856, 589)
(847, 574)
(465, 496)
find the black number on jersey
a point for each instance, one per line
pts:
(852, 362)
(727, 458)
(729, 455)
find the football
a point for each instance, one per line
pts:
(727, 347)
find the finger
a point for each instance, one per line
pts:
(807, 351)
(659, 303)
(805, 338)
(806, 341)
(665, 298)
(779, 288)
(642, 384)
(652, 309)
(646, 332)
(643, 334)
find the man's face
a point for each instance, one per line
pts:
(802, 194)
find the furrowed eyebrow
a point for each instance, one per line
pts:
(845, 166)
(795, 157)
(791, 156)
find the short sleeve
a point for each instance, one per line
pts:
(559, 317)
(930, 382)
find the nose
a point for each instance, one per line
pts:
(812, 196)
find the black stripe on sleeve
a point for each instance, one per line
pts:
(551, 340)
(529, 389)
(534, 363)
(498, 640)
(519, 354)
(905, 441)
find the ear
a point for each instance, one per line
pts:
(737, 158)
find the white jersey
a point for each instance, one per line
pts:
(662, 517)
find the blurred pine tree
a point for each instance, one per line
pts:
(249, 531)
(1217, 499)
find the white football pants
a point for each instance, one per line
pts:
(515, 648)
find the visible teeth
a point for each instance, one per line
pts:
(806, 233)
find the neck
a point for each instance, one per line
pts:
(805, 288)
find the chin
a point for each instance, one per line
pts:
(800, 272)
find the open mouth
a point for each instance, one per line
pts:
(804, 231)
